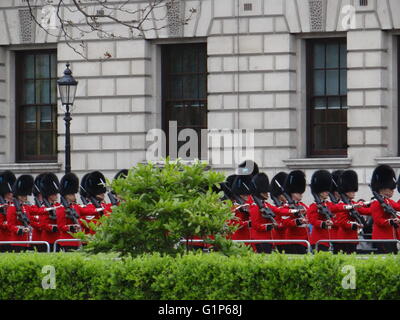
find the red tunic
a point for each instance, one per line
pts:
(89, 214)
(381, 228)
(63, 223)
(4, 233)
(47, 223)
(14, 224)
(292, 230)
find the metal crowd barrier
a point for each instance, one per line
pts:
(28, 242)
(262, 241)
(66, 240)
(353, 240)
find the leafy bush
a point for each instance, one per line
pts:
(198, 276)
(161, 207)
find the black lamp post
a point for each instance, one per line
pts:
(67, 87)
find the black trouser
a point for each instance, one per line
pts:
(264, 247)
(19, 249)
(386, 247)
(281, 247)
(68, 248)
(347, 248)
(4, 248)
(40, 247)
(295, 248)
(321, 247)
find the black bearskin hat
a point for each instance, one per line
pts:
(280, 177)
(383, 177)
(23, 186)
(241, 185)
(121, 174)
(335, 179)
(95, 183)
(348, 181)
(230, 179)
(36, 184)
(49, 184)
(321, 181)
(69, 184)
(82, 189)
(7, 180)
(260, 183)
(295, 182)
(248, 167)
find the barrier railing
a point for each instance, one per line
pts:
(28, 242)
(261, 241)
(353, 240)
(66, 240)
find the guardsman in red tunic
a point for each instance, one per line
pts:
(350, 222)
(93, 189)
(335, 199)
(241, 210)
(262, 223)
(115, 200)
(69, 215)
(385, 225)
(18, 218)
(7, 180)
(296, 225)
(49, 187)
(279, 200)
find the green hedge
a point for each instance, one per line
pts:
(198, 276)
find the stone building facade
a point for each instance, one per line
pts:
(264, 70)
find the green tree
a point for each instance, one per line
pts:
(160, 207)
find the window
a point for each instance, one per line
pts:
(327, 97)
(184, 90)
(36, 106)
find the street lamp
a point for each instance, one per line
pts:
(67, 88)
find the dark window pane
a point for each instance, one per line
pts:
(319, 116)
(30, 142)
(334, 103)
(190, 87)
(29, 64)
(53, 91)
(319, 55)
(29, 92)
(320, 137)
(332, 55)
(42, 66)
(189, 63)
(332, 82)
(344, 102)
(43, 91)
(202, 87)
(53, 71)
(46, 121)
(319, 103)
(319, 83)
(30, 117)
(46, 143)
(343, 82)
(334, 115)
(343, 55)
(336, 137)
(176, 88)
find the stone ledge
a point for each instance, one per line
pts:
(319, 163)
(31, 167)
(391, 161)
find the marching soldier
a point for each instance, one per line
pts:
(49, 187)
(279, 200)
(18, 221)
(350, 222)
(7, 180)
(93, 189)
(296, 224)
(68, 215)
(115, 200)
(385, 225)
(264, 220)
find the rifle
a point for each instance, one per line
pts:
(70, 211)
(266, 212)
(321, 207)
(21, 216)
(230, 195)
(333, 198)
(292, 204)
(113, 198)
(277, 202)
(52, 214)
(353, 213)
(386, 207)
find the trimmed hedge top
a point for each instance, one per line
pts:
(198, 276)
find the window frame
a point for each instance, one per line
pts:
(19, 114)
(164, 100)
(311, 152)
